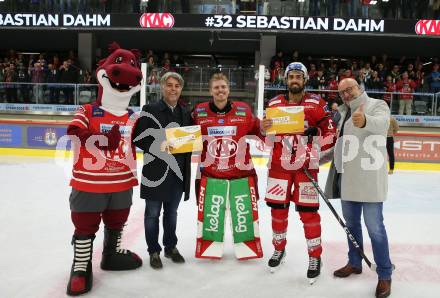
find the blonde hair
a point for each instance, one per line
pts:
(218, 77)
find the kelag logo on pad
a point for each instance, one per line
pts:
(428, 27)
(156, 20)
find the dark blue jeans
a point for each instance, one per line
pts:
(373, 219)
(151, 222)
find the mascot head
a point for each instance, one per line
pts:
(119, 77)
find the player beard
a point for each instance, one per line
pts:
(296, 89)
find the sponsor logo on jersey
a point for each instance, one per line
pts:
(238, 113)
(204, 121)
(221, 131)
(221, 121)
(276, 189)
(203, 114)
(97, 112)
(241, 108)
(237, 120)
(308, 193)
(222, 148)
(198, 110)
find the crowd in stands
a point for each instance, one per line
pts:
(37, 73)
(382, 75)
(396, 9)
(50, 78)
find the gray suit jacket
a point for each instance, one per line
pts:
(360, 154)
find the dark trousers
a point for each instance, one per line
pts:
(169, 221)
(390, 150)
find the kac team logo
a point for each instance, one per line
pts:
(223, 148)
(157, 20)
(428, 27)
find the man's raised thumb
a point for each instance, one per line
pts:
(361, 108)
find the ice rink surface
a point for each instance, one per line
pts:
(36, 253)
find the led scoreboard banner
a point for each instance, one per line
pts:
(240, 23)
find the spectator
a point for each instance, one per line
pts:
(352, 8)
(373, 61)
(10, 75)
(366, 70)
(52, 78)
(336, 116)
(374, 83)
(67, 76)
(420, 76)
(411, 72)
(333, 69)
(434, 79)
(365, 6)
(277, 76)
(392, 130)
(314, 8)
(332, 86)
(406, 86)
(381, 71)
(279, 57)
(389, 86)
(395, 73)
(37, 78)
(346, 73)
(23, 78)
(332, 9)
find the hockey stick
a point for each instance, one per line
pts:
(372, 266)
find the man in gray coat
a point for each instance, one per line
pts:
(358, 175)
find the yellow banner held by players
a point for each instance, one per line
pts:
(184, 139)
(286, 119)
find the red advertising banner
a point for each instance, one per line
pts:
(417, 147)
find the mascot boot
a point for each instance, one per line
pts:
(114, 257)
(81, 275)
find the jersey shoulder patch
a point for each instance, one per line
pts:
(276, 100)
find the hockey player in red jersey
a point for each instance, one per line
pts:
(286, 180)
(104, 170)
(228, 180)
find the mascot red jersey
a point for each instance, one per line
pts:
(104, 170)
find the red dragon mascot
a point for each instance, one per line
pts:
(104, 170)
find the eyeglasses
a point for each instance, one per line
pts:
(346, 90)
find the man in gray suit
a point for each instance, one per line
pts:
(358, 175)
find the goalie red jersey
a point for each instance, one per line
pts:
(225, 152)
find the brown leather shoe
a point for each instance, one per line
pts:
(383, 288)
(346, 271)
